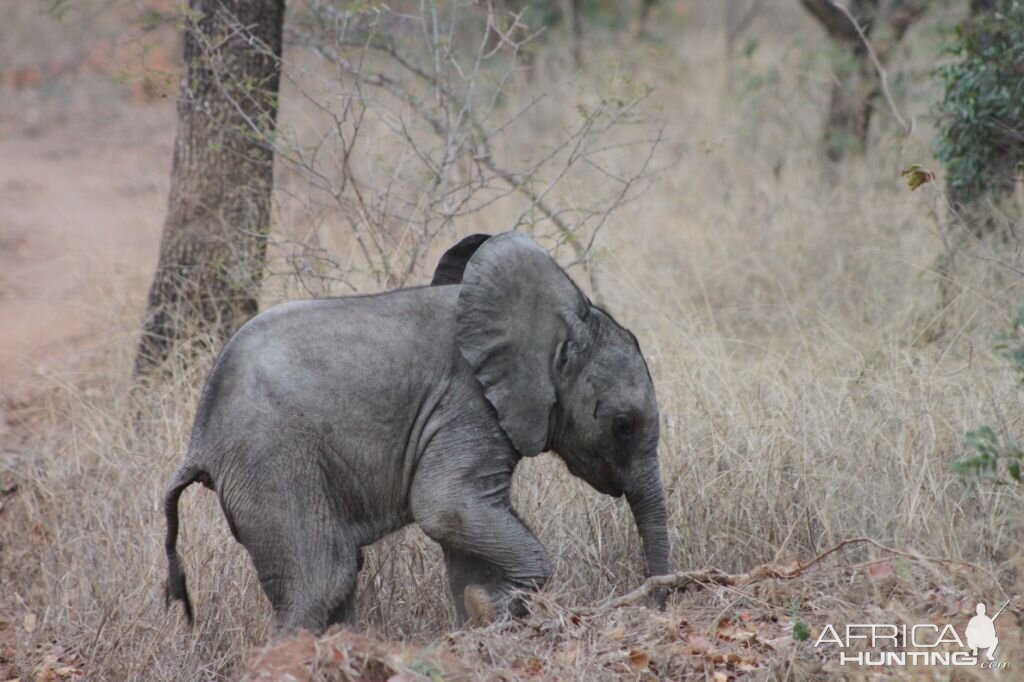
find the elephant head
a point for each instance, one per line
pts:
(562, 375)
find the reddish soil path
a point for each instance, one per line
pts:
(81, 206)
(84, 171)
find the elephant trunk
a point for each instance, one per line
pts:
(647, 501)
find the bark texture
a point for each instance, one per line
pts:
(213, 247)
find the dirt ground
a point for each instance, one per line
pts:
(81, 207)
(83, 186)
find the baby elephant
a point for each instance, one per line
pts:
(327, 424)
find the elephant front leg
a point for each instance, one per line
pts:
(480, 576)
(469, 532)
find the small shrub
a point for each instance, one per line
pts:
(981, 116)
(989, 453)
(1010, 344)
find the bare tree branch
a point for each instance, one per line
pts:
(408, 119)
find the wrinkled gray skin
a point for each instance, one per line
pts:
(326, 424)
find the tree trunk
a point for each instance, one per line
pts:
(851, 101)
(849, 108)
(213, 248)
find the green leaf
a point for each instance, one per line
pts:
(982, 111)
(917, 175)
(1014, 470)
(801, 631)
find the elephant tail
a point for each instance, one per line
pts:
(175, 589)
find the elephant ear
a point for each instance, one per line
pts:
(515, 309)
(452, 265)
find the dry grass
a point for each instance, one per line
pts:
(783, 307)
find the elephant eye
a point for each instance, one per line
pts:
(622, 427)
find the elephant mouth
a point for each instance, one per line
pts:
(600, 478)
(615, 492)
(607, 486)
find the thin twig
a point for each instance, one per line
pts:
(882, 75)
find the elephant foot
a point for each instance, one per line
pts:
(479, 608)
(658, 598)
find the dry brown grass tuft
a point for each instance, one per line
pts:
(784, 307)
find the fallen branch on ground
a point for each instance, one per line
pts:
(714, 576)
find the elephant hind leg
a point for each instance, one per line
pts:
(308, 577)
(345, 613)
(305, 553)
(320, 592)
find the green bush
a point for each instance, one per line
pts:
(981, 116)
(989, 454)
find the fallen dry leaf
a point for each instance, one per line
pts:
(30, 622)
(880, 570)
(719, 676)
(567, 656)
(639, 659)
(736, 634)
(335, 655)
(729, 658)
(289, 658)
(697, 644)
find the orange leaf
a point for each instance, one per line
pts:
(46, 674)
(917, 175)
(639, 659)
(698, 644)
(880, 570)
